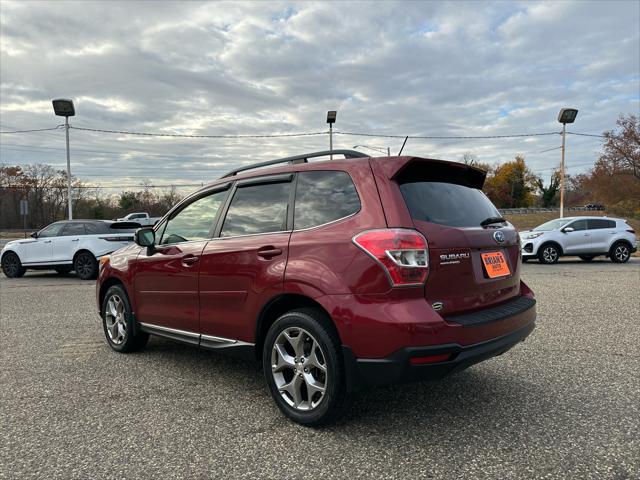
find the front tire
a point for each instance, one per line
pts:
(12, 266)
(86, 266)
(620, 253)
(118, 322)
(549, 254)
(304, 368)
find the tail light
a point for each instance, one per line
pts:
(631, 230)
(402, 253)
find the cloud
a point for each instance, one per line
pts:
(467, 68)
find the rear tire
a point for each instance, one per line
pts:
(620, 252)
(549, 254)
(86, 266)
(12, 266)
(304, 367)
(587, 258)
(118, 322)
(63, 270)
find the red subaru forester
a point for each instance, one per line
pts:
(335, 274)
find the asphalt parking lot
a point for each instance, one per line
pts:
(565, 404)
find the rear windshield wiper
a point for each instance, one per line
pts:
(492, 220)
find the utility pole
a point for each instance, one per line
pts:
(63, 107)
(331, 119)
(566, 115)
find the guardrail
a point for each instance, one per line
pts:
(516, 211)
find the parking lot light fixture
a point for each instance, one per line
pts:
(566, 115)
(331, 119)
(63, 107)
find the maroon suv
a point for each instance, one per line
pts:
(335, 274)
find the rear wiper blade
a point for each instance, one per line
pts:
(492, 220)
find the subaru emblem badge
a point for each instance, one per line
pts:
(498, 236)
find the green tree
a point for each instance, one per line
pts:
(548, 195)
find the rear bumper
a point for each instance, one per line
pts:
(399, 368)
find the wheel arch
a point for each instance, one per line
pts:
(10, 251)
(280, 305)
(106, 285)
(82, 250)
(618, 241)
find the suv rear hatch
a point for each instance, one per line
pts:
(471, 266)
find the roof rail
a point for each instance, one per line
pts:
(303, 158)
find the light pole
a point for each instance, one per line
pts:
(377, 149)
(331, 119)
(63, 107)
(566, 115)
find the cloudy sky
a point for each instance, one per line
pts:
(397, 68)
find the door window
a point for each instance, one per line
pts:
(52, 230)
(258, 209)
(323, 197)
(599, 224)
(195, 221)
(72, 229)
(578, 225)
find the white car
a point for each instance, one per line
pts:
(585, 237)
(142, 218)
(66, 246)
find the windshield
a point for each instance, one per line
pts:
(447, 203)
(552, 225)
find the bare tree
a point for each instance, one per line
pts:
(621, 152)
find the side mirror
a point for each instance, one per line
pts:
(145, 237)
(34, 235)
(567, 229)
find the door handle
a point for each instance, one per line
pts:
(47, 241)
(189, 260)
(269, 252)
(75, 240)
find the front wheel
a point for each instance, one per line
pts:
(12, 266)
(620, 253)
(304, 368)
(549, 254)
(117, 322)
(86, 266)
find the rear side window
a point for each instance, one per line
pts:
(257, 209)
(323, 197)
(72, 229)
(597, 224)
(448, 204)
(95, 228)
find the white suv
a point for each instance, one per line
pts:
(65, 246)
(585, 237)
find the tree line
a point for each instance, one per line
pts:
(613, 181)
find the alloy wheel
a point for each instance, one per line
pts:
(84, 266)
(621, 253)
(550, 254)
(115, 320)
(299, 368)
(11, 265)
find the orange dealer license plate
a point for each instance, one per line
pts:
(495, 264)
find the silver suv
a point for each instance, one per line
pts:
(585, 237)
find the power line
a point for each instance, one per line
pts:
(586, 134)
(448, 137)
(184, 135)
(34, 130)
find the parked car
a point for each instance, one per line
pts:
(142, 218)
(336, 274)
(585, 237)
(66, 246)
(594, 206)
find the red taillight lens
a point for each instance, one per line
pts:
(403, 253)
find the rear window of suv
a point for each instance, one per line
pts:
(323, 197)
(448, 204)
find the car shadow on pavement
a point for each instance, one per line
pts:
(482, 399)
